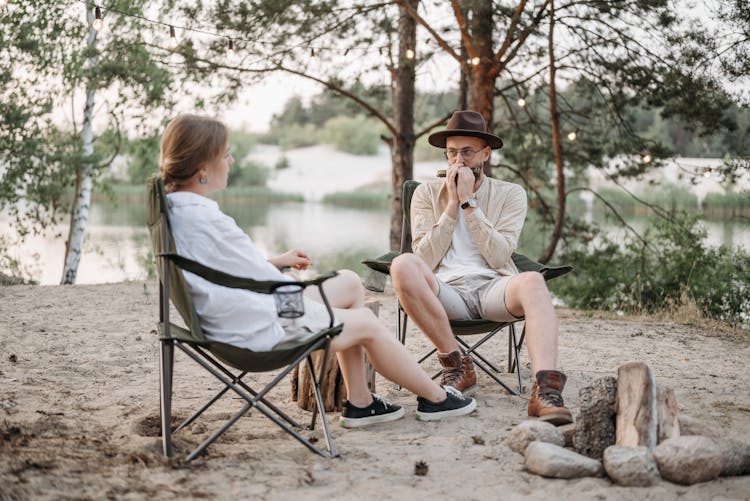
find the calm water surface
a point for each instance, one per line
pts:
(118, 245)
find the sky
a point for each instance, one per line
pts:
(259, 102)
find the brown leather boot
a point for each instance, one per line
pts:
(458, 371)
(546, 402)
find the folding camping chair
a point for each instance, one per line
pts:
(460, 328)
(229, 364)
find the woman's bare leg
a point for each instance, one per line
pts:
(362, 329)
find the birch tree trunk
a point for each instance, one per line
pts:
(79, 216)
(402, 144)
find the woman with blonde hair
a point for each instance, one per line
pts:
(195, 161)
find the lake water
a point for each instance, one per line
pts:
(118, 246)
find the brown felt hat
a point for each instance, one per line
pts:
(465, 123)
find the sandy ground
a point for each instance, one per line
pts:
(79, 401)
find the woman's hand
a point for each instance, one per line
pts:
(292, 258)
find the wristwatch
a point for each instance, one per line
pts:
(472, 202)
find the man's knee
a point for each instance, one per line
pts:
(405, 267)
(531, 284)
(410, 274)
(532, 280)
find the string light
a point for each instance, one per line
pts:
(521, 102)
(172, 38)
(475, 61)
(572, 136)
(409, 54)
(98, 23)
(707, 172)
(646, 158)
(173, 42)
(230, 48)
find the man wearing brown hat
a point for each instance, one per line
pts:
(464, 230)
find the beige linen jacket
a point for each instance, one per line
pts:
(495, 226)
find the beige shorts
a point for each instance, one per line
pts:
(297, 330)
(476, 297)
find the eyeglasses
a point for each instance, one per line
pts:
(466, 153)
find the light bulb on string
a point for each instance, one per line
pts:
(172, 38)
(409, 54)
(572, 135)
(646, 158)
(475, 61)
(707, 172)
(230, 48)
(521, 102)
(98, 23)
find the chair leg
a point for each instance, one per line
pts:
(516, 355)
(166, 365)
(320, 404)
(402, 320)
(488, 371)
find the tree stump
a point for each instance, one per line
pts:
(332, 383)
(666, 403)
(636, 406)
(595, 424)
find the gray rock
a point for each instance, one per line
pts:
(736, 456)
(569, 434)
(529, 431)
(689, 459)
(595, 424)
(631, 466)
(550, 460)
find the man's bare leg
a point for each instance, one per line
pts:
(526, 295)
(417, 289)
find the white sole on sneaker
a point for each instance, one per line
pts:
(436, 416)
(366, 421)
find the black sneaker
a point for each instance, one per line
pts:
(379, 411)
(454, 405)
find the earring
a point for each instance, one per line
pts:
(203, 179)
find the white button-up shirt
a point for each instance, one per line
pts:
(234, 316)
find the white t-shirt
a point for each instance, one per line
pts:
(463, 257)
(234, 316)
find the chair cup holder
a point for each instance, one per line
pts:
(289, 301)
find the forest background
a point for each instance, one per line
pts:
(617, 87)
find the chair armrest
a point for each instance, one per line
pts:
(227, 280)
(382, 263)
(524, 263)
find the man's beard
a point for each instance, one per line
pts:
(477, 171)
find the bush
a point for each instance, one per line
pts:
(676, 267)
(298, 136)
(358, 135)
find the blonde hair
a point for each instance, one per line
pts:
(188, 142)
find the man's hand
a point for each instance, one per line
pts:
(292, 258)
(459, 182)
